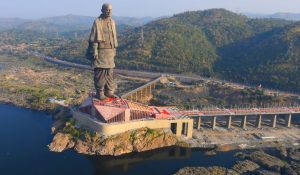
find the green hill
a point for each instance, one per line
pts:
(217, 43)
(188, 42)
(271, 59)
(166, 46)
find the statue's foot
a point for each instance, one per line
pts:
(100, 96)
(110, 94)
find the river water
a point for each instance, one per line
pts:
(25, 134)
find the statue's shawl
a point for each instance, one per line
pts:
(97, 33)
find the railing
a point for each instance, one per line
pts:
(148, 85)
(233, 112)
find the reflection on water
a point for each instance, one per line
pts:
(25, 134)
(123, 163)
(163, 161)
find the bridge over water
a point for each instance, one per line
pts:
(244, 115)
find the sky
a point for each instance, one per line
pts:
(33, 9)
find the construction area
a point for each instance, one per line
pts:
(236, 137)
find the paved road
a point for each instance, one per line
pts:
(1, 66)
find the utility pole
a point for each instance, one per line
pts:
(75, 35)
(142, 37)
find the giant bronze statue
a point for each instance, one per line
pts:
(102, 51)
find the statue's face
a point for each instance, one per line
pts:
(107, 11)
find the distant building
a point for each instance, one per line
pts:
(259, 86)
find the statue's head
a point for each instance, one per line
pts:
(106, 10)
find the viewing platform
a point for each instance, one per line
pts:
(117, 115)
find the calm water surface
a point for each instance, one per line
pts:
(25, 134)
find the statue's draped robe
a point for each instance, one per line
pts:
(103, 43)
(103, 39)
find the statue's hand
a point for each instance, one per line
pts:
(95, 55)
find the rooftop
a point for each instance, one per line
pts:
(107, 110)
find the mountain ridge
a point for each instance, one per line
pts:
(65, 23)
(278, 15)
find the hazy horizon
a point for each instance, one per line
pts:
(35, 9)
(37, 18)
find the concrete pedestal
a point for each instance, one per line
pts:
(213, 122)
(288, 120)
(244, 122)
(228, 123)
(199, 123)
(274, 121)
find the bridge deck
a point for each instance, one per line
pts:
(142, 87)
(241, 112)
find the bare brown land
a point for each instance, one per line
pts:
(200, 94)
(31, 82)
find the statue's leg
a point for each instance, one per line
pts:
(99, 82)
(110, 85)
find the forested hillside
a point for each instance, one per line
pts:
(218, 43)
(167, 46)
(271, 58)
(188, 42)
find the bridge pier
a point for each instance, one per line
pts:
(288, 120)
(146, 92)
(274, 121)
(213, 122)
(258, 121)
(199, 123)
(150, 90)
(136, 96)
(244, 122)
(228, 123)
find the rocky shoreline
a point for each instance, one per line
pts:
(69, 136)
(51, 110)
(139, 140)
(261, 162)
